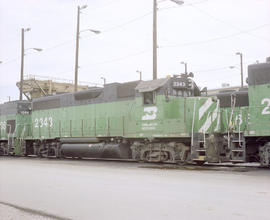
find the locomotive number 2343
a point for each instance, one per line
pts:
(43, 122)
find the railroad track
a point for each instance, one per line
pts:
(245, 167)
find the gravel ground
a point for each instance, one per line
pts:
(114, 190)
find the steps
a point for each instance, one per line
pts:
(238, 148)
(198, 150)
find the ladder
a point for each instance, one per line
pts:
(236, 140)
(238, 148)
(198, 150)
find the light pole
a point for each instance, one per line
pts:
(104, 80)
(34, 48)
(77, 55)
(155, 39)
(179, 2)
(233, 67)
(22, 59)
(140, 72)
(241, 68)
(22, 68)
(184, 63)
(92, 30)
(77, 44)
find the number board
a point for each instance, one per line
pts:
(179, 84)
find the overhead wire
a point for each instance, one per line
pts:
(119, 58)
(59, 45)
(184, 5)
(104, 5)
(108, 29)
(217, 38)
(9, 61)
(105, 31)
(224, 22)
(165, 46)
(142, 16)
(128, 22)
(223, 67)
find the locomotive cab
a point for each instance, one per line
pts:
(166, 119)
(184, 86)
(178, 85)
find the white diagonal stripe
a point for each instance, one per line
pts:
(204, 107)
(218, 119)
(210, 119)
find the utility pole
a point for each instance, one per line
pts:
(77, 50)
(140, 72)
(154, 39)
(22, 60)
(185, 66)
(104, 81)
(155, 46)
(77, 44)
(241, 68)
(22, 64)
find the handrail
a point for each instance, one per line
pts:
(193, 120)
(233, 101)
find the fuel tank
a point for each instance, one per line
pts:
(96, 150)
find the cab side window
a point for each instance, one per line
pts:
(148, 98)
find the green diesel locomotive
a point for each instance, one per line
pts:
(154, 121)
(163, 120)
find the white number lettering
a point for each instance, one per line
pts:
(51, 121)
(45, 122)
(40, 122)
(36, 123)
(266, 110)
(179, 84)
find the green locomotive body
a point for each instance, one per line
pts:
(155, 116)
(167, 116)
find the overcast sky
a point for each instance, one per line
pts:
(204, 33)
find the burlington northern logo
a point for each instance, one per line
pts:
(150, 113)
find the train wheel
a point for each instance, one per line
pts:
(200, 163)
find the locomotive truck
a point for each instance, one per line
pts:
(162, 120)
